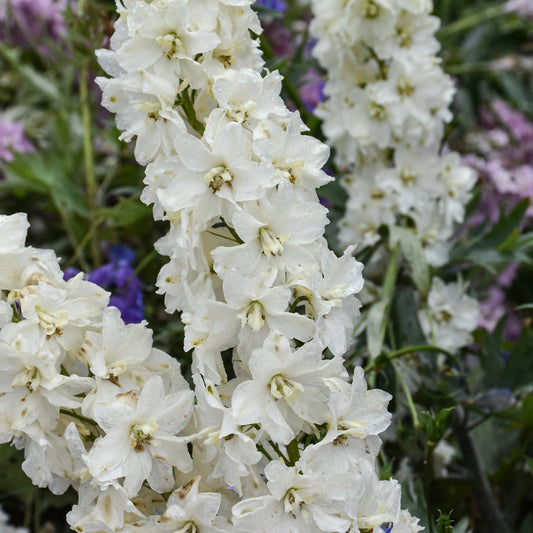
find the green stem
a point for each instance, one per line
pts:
(467, 68)
(409, 398)
(261, 448)
(82, 244)
(81, 418)
(492, 517)
(470, 21)
(427, 482)
(294, 304)
(381, 64)
(409, 349)
(279, 452)
(220, 236)
(146, 261)
(37, 512)
(63, 213)
(232, 231)
(88, 151)
(88, 158)
(190, 113)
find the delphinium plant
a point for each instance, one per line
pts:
(385, 112)
(261, 295)
(266, 423)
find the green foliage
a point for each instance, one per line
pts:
(435, 425)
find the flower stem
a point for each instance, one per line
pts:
(493, 519)
(470, 21)
(88, 152)
(409, 398)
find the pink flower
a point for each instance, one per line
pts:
(12, 140)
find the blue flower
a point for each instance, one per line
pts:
(119, 277)
(275, 5)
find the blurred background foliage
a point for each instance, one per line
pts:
(461, 441)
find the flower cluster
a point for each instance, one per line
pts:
(96, 407)
(502, 152)
(386, 103)
(281, 439)
(89, 400)
(451, 315)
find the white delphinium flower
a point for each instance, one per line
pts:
(386, 103)
(450, 316)
(356, 411)
(287, 392)
(72, 374)
(302, 498)
(102, 509)
(15, 258)
(117, 347)
(141, 441)
(222, 446)
(32, 387)
(189, 510)
(251, 272)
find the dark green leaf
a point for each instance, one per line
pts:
(128, 211)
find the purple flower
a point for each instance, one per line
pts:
(520, 7)
(312, 89)
(275, 5)
(505, 160)
(519, 126)
(27, 21)
(119, 277)
(12, 140)
(279, 37)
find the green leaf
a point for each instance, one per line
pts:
(492, 360)
(527, 524)
(405, 318)
(524, 306)
(503, 228)
(521, 414)
(375, 327)
(378, 316)
(518, 370)
(414, 254)
(46, 176)
(435, 426)
(41, 82)
(127, 212)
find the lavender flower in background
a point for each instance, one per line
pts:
(279, 37)
(504, 160)
(12, 140)
(495, 305)
(119, 277)
(311, 89)
(520, 7)
(23, 21)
